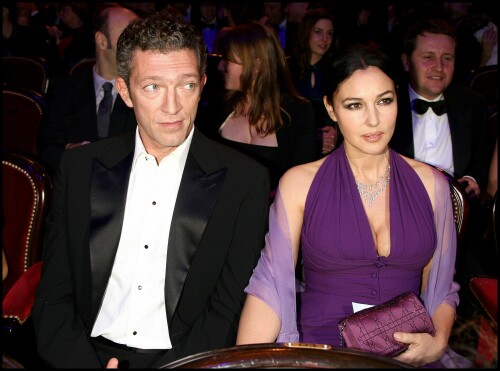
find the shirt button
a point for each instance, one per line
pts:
(154, 202)
(146, 247)
(139, 287)
(374, 292)
(134, 333)
(374, 275)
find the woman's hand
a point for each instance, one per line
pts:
(423, 348)
(329, 136)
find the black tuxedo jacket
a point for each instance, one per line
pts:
(71, 117)
(216, 235)
(470, 134)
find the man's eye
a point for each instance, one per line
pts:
(151, 87)
(190, 86)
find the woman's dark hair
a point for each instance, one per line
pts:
(351, 59)
(302, 51)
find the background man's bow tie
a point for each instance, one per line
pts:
(208, 25)
(421, 106)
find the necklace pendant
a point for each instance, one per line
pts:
(370, 192)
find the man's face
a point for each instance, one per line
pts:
(164, 91)
(119, 20)
(208, 11)
(274, 11)
(431, 65)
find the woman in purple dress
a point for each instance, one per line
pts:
(371, 224)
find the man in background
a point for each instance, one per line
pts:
(71, 116)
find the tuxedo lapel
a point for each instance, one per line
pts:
(459, 125)
(402, 140)
(108, 192)
(199, 189)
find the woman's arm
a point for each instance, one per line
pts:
(439, 291)
(269, 312)
(259, 323)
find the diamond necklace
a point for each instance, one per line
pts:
(369, 192)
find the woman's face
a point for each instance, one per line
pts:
(232, 71)
(321, 37)
(365, 107)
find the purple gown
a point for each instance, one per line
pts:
(340, 260)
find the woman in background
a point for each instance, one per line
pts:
(265, 116)
(313, 51)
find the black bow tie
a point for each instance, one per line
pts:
(421, 106)
(208, 25)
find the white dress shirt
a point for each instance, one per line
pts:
(432, 137)
(133, 310)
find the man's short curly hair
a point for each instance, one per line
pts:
(161, 33)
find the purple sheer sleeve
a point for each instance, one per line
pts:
(440, 286)
(273, 280)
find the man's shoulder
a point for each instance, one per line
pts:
(227, 156)
(113, 145)
(464, 94)
(70, 85)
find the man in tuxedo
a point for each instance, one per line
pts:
(71, 116)
(206, 18)
(152, 235)
(444, 124)
(276, 17)
(453, 132)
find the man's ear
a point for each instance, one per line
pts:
(122, 88)
(329, 109)
(203, 81)
(101, 41)
(406, 61)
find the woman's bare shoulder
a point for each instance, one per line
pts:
(296, 182)
(426, 173)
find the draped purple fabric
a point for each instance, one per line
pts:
(341, 264)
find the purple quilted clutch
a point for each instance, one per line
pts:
(372, 329)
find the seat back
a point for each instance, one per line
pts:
(460, 205)
(22, 115)
(494, 221)
(26, 192)
(285, 355)
(484, 80)
(81, 65)
(26, 72)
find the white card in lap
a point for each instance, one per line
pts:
(356, 307)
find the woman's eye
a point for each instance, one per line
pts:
(353, 106)
(386, 101)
